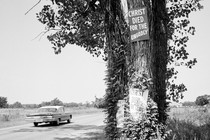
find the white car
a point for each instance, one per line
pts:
(49, 114)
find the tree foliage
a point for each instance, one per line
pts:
(44, 103)
(202, 100)
(3, 102)
(77, 22)
(16, 105)
(99, 102)
(179, 30)
(55, 102)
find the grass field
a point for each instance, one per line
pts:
(189, 123)
(12, 117)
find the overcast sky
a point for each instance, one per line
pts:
(30, 72)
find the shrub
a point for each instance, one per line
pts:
(16, 105)
(148, 128)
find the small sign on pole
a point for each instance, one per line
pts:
(138, 23)
(138, 103)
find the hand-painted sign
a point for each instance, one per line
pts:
(138, 103)
(138, 22)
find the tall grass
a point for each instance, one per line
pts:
(189, 124)
(9, 114)
(12, 117)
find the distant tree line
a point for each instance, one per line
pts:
(200, 101)
(188, 103)
(98, 103)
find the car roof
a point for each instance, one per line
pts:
(51, 107)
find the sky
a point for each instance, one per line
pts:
(30, 72)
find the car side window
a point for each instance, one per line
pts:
(61, 110)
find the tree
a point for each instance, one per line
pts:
(99, 27)
(3, 102)
(99, 102)
(17, 105)
(56, 101)
(202, 100)
(53, 102)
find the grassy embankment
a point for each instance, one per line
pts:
(189, 123)
(12, 117)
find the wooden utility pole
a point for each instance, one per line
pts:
(140, 57)
(149, 55)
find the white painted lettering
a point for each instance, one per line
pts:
(138, 19)
(137, 12)
(142, 26)
(139, 34)
(133, 27)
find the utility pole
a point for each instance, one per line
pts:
(136, 14)
(148, 54)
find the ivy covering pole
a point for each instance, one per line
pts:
(117, 77)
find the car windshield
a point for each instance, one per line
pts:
(47, 110)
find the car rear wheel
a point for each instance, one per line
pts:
(69, 120)
(35, 124)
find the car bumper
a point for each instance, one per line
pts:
(40, 119)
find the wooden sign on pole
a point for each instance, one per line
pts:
(138, 22)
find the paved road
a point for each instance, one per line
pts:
(82, 127)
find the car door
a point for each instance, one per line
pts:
(62, 112)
